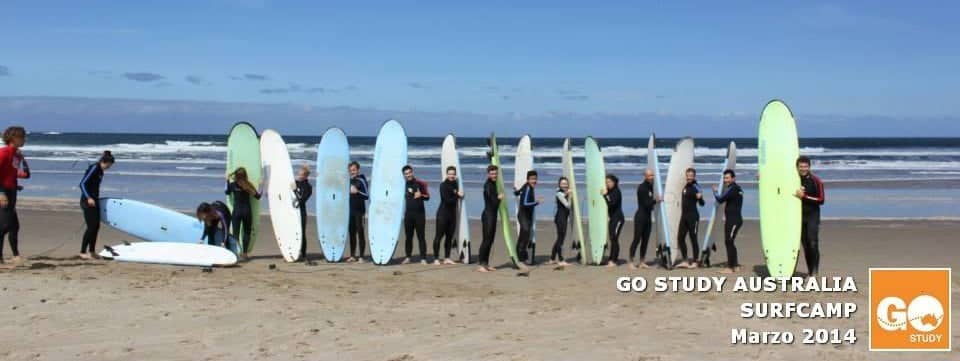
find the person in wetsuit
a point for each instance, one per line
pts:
(450, 195)
(528, 202)
(732, 200)
(643, 218)
(13, 166)
(812, 194)
(215, 218)
(358, 210)
(303, 192)
(690, 219)
(241, 190)
(614, 199)
(560, 219)
(90, 205)
(415, 216)
(488, 219)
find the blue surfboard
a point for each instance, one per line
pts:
(387, 199)
(149, 222)
(333, 193)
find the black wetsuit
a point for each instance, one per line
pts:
(615, 215)
(303, 192)
(415, 217)
(642, 219)
(689, 219)
(12, 167)
(90, 189)
(560, 219)
(358, 209)
(242, 220)
(488, 219)
(528, 202)
(446, 217)
(810, 231)
(732, 199)
(216, 233)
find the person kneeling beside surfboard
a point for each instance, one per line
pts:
(215, 218)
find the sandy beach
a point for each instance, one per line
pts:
(55, 307)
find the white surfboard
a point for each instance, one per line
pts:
(279, 184)
(523, 163)
(715, 212)
(680, 160)
(450, 158)
(172, 253)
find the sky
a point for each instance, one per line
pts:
(846, 68)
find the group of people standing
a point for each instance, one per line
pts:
(233, 229)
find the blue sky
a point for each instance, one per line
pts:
(705, 60)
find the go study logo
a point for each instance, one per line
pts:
(910, 309)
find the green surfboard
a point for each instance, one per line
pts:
(502, 211)
(596, 204)
(243, 150)
(780, 210)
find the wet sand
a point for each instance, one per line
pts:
(55, 307)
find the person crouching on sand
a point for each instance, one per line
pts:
(241, 191)
(90, 203)
(216, 227)
(12, 167)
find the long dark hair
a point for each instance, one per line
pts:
(240, 177)
(203, 209)
(107, 157)
(616, 181)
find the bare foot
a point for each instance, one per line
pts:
(436, 262)
(682, 264)
(95, 256)
(405, 260)
(644, 265)
(563, 263)
(611, 264)
(423, 261)
(631, 266)
(482, 269)
(693, 264)
(449, 261)
(726, 271)
(360, 260)
(351, 260)
(85, 256)
(491, 269)
(550, 262)
(16, 260)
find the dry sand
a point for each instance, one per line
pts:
(55, 307)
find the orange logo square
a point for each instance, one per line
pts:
(910, 309)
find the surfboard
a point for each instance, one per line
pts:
(571, 175)
(333, 193)
(710, 234)
(387, 184)
(523, 163)
(596, 204)
(243, 150)
(664, 234)
(450, 158)
(504, 215)
(680, 161)
(170, 253)
(149, 222)
(780, 211)
(284, 214)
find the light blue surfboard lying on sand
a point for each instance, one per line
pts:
(149, 222)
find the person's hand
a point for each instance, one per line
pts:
(568, 191)
(91, 202)
(417, 195)
(460, 194)
(500, 196)
(353, 190)
(604, 191)
(801, 193)
(539, 199)
(699, 195)
(658, 199)
(4, 201)
(714, 188)
(293, 186)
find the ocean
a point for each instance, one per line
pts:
(865, 177)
